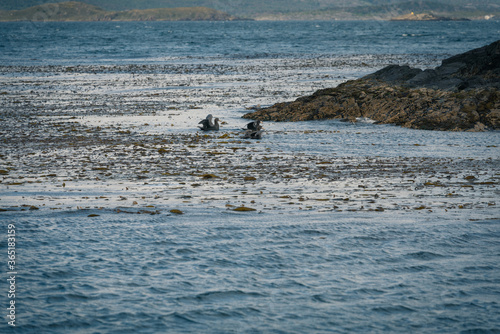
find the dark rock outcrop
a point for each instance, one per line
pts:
(474, 69)
(462, 95)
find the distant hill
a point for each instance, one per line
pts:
(78, 11)
(67, 11)
(386, 10)
(299, 9)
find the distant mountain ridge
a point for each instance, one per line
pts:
(299, 9)
(79, 11)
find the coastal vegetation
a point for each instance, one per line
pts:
(79, 11)
(299, 9)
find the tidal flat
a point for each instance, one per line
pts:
(125, 138)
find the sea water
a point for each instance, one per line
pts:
(396, 237)
(33, 43)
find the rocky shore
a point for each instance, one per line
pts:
(460, 95)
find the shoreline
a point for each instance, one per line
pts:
(258, 20)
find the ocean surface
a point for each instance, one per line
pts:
(124, 213)
(38, 43)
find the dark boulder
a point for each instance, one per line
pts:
(473, 69)
(463, 94)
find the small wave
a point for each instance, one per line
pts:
(58, 274)
(320, 299)
(365, 120)
(180, 316)
(69, 324)
(67, 297)
(480, 269)
(369, 291)
(186, 251)
(369, 238)
(426, 256)
(481, 331)
(222, 295)
(158, 290)
(200, 316)
(88, 287)
(56, 299)
(393, 309)
(227, 294)
(315, 232)
(411, 269)
(412, 35)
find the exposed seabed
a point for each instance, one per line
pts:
(124, 138)
(129, 218)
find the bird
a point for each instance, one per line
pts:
(207, 122)
(208, 125)
(252, 126)
(254, 134)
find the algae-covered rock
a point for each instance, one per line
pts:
(244, 209)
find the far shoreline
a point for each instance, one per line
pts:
(257, 20)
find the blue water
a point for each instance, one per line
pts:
(145, 42)
(277, 271)
(226, 273)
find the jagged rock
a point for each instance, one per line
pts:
(473, 69)
(493, 118)
(395, 74)
(461, 95)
